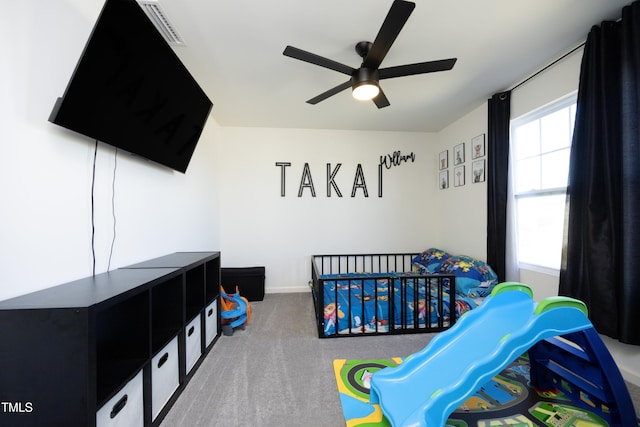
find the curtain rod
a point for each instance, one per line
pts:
(546, 67)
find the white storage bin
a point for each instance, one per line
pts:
(193, 342)
(165, 377)
(211, 322)
(126, 408)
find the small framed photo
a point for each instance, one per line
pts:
(458, 154)
(477, 171)
(477, 147)
(443, 160)
(443, 180)
(458, 176)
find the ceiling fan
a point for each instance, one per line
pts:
(364, 81)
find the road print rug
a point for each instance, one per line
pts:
(506, 400)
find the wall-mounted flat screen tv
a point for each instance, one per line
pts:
(130, 90)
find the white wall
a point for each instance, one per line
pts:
(463, 209)
(260, 227)
(557, 81)
(46, 171)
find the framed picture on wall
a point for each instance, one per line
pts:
(458, 176)
(443, 180)
(458, 154)
(477, 147)
(443, 160)
(477, 171)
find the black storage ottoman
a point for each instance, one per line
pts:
(249, 280)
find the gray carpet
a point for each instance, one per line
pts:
(277, 372)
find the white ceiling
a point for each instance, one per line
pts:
(234, 50)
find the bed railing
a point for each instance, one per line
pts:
(370, 263)
(354, 271)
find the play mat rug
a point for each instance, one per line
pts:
(506, 400)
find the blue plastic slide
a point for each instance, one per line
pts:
(430, 384)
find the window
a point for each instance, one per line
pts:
(540, 148)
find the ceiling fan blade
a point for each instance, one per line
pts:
(381, 100)
(312, 58)
(391, 27)
(419, 68)
(330, 92)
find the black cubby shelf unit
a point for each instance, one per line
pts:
(108, 349)
(201, 275)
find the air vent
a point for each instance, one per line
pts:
(159, 18)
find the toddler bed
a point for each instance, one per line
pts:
(395, 293)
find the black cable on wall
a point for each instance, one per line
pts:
(113, 207)
(93, 226)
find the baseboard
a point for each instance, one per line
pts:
(629, 376)
(287, 290)
(626, 357)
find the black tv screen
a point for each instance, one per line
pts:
(130, 90)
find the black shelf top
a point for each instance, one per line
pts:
(121, 283)
(178, 260)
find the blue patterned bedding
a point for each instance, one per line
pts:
(474, 278)
(363, 303)
(382, 302)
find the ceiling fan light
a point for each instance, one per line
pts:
(365, 91)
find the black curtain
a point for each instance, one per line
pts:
(497, 179)
(602, 233)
